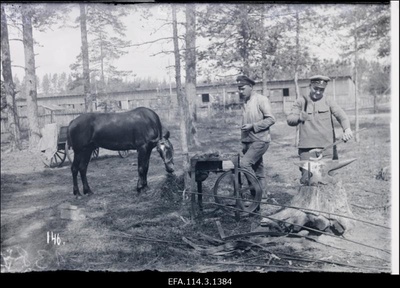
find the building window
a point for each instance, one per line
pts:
(205, 98)
(285, 92)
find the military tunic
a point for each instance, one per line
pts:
(255, 142)
(316, 130)
(257, 111)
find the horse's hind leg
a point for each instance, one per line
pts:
(74, 170)
(83, 164)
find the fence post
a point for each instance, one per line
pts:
(283, 104)
(334, 89)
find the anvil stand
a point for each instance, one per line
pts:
(323, 193)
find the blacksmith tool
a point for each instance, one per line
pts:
(319, 152)
(321, 170)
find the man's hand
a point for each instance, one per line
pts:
(247, 127)
(347, 135)
(303, 116)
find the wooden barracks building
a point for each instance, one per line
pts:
(209, 96)
(281, 94)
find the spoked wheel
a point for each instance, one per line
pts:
(56, 161)
(123, 153)
(95, 153)
(245, 197)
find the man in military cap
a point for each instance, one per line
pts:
(313, 114)
(257, 118)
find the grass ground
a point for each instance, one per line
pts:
(124, 231)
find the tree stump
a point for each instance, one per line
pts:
(322, 193)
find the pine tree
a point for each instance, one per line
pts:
(46, 84)
(105, 33)
(41, 17)
(8, 88)
(54, 83)
(62, 83)
(365, 25)
(182, 101)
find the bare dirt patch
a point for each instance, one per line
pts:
(124, 231)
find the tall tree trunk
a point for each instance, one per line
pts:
(265, 78)
(296, 69)
(30, 76)
(264, 54)
(190, 85)
(103, 82)
(182, 102)
(102, 78)
(85, 59)
(245, 35)
(9, 87)
(357, 137)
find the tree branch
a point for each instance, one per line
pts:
(18, 66)
(15, 25)
(16, 39)
(162, 52)
(159, 28)
(150, 42)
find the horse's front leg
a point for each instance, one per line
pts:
(83, 164)
(144, 153)
(75, 170)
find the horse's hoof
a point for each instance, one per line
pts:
(143, 189)
(77, 194)
(87, 192)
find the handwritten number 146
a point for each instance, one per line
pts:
(53, 238)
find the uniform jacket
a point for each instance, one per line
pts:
(257, 111)
(316, 131)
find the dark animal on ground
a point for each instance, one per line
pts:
(139, 129)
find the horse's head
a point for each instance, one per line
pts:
(166, 150)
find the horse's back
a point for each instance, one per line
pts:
(116, 131)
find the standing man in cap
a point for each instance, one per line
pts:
(257, 118)
(314, 114)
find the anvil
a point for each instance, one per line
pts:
(321, 170)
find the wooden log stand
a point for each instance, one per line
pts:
(322, 193)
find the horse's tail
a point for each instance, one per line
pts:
(69, 134)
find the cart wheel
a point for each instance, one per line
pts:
(56, 161)
(249, 189)
(95, 153)
(123, 153)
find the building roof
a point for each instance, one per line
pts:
(52, 107)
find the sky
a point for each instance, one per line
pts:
(57, 49)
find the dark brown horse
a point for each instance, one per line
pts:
(139, 129)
